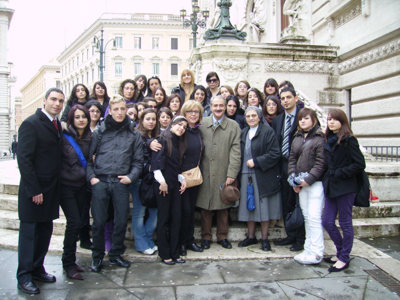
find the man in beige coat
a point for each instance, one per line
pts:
(220, 165)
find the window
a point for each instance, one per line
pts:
(83, 56)
(137, 68)
(155, 43)
(82, 78)
(156, 69)
(174, 43)
(137, 42)
(58, 84)
(93, 50)
(118, 41)
(87, 77)
(87, 53)
(174, 69)
(77, 61)
(92, 74)
(118, 69)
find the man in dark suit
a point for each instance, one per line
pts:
(285, 126)
(39, 160)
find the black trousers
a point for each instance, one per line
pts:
(75, 204)
(168, 222)
(33, 244)
(189, 198)
(289, 197)
(103, 194)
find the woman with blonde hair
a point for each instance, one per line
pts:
(186, 87)
(193, 112)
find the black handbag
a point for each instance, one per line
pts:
(363, 195)
(146, 191)
(294, 219)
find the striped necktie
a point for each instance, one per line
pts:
(286, 134)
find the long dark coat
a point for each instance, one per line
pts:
(266, 156)
(221, 159)
(39, 161)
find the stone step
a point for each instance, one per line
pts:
(363, 227)
(10, 202)
(10, 189)
(376, 210)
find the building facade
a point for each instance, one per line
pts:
(150, 44)
(5, 79)
(33, 92)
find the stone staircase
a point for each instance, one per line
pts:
(381, 219)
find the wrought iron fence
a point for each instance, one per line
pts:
(384, 153)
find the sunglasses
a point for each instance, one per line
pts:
(212, 80)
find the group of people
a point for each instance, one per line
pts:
(102, 149)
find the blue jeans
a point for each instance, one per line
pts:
(142, 231)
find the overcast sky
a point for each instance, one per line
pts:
(41, 29)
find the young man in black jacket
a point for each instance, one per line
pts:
(118, 161)
(285, 126)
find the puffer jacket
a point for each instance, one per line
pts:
(72, 172)
(307, 155)
(117, 152)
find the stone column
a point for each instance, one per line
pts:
(5, 18)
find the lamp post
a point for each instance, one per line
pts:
(195, 20)
(101, 47)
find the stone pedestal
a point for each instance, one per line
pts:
(310, 68)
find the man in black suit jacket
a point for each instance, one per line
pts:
(39, 160)
(280, 125)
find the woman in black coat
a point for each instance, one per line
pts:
(170, 184)
(260, 158)
(345, 163)
(75, 199)
(193, 111)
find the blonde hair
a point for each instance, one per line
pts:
(190, 105)
(116, 99)
(189, 90)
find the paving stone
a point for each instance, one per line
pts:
(153, 293)
(374, 290)
(243, 271)
(332, 288)
(253, 290)
(159, 274)
(293, 293)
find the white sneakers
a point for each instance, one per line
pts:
(307, 258)
(149, 251)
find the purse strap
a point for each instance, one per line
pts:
(201, 149)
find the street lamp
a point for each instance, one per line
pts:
(195, 20)
(101, 47)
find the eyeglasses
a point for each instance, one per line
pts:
(195, 112)
(213, 80)
(94, 111)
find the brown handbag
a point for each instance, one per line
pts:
(193, 176)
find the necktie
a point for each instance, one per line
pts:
(55, 124)
(285, 143)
